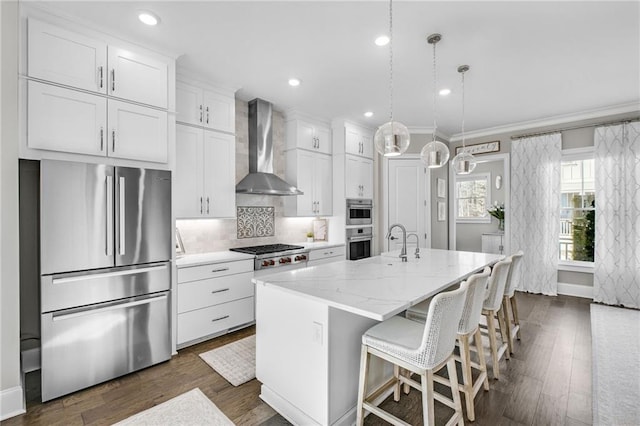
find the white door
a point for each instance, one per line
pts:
(188, 178)
(64, 57)
(219, 112)
(323, 188)
(219, 174)
(189, 107)
(407, 195)
(66, 120)
(137, 132)
(138, 78)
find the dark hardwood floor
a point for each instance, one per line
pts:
(546, 382)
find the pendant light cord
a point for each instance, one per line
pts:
(435, 85)
(463, 144)
(391, 61)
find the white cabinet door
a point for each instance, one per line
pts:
(189, 107)
(366, 177)
(64, 57)
(219, 171)
(305, 135)
(367, 144)
(310, 136)
(358, 142)
(323, 139)
(305, 183)
(219, 112)
(187, 196)
(323, 185)
(65, 120)
(359, 177)
(137, 133)
(137, 77)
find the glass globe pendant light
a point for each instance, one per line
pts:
(392, 138)
(434, 154)
(463, 163)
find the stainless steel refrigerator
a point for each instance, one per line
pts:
(105, 250)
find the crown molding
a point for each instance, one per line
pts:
(550, 121)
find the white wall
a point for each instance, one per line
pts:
(11, 402)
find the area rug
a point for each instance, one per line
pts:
(615, 338)
(236, 361)
(190, 408)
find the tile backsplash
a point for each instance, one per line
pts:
(255, 222)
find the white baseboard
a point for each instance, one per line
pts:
(11, 402)
(575, 290)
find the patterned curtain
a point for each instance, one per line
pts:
(617, 252)
(535, 216)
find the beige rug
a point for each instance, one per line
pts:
(190, 408)
(236, 361)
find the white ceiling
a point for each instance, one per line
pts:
(529, 60)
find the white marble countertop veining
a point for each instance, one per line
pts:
(211, 258)
(382, 286)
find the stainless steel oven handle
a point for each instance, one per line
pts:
(357, 239)
(85, 277)
(61, 317)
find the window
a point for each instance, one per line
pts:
(472, 198)
(577, 209)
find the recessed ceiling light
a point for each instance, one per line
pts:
(382, 40)
(294, 82)
(148, 18)
(368, 114)
(445, 92)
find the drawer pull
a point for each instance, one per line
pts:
(219, 291)
(219, 270)
(221, 318)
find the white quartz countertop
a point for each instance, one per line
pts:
(382, 286)
(320, 245)
(211, 258)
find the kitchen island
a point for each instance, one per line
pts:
(310, 323)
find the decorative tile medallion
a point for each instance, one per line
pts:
(256, 222)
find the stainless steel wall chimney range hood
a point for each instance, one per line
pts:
(261, 179)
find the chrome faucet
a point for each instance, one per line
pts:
(403, 252)
(417, 253)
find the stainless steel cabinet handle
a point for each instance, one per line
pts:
(221, 318)
(207, 115)
(219, 291)
(100, 68)
(122, 223)
(213, 271)
(108, 308)
(113, 140)
(113, 80)
(101, 139)
(207, 200)
(201, 113)
(109, 204)
(75, 276)
(200, 205)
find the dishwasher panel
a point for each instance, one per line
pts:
(85, 346)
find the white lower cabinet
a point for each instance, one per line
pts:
(493, 243)
(326, 255)
(359, 177)
(311, 173)
(213, 299)
(205, 173)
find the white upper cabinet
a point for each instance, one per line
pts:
(207, 108)
(188, 193)
(359, 177)
(310, 172)
(358, 141)
(136, 132)
(308, 135)
(219, 156)
(138, 78)
(65, 120)
(65, 57)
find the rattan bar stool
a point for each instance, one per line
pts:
(509, 304)
(417, 348)
(468, 335)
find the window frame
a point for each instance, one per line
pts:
(472, 176)
(576, 154)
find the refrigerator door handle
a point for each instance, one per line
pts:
(109, 204)
(74, 277)
(121, 222)
(90, 311)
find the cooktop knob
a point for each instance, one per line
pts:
(265, 263)
(272, 262)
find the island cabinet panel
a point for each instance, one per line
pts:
(326, 255)
(213, 299)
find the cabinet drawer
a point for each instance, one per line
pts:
(327, 253)
(203, 322)
(214, 291)
(202, 272)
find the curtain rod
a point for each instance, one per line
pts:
(585, 126)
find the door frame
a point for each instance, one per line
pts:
(506, 183)
(385, 200)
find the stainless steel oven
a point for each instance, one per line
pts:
(359, 242)
(359, 212)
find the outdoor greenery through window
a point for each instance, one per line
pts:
(472, 198)
(577, 210)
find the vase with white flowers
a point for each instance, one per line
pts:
(497, 211)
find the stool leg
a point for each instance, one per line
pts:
(426, 382)
(503, 335)
(483, 362)
(491, 328)
(396, 388)
(467, 387)
(455, 392)
(516, 320)
(362, 389)
(507, 320)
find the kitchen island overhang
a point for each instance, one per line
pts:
(310, 323)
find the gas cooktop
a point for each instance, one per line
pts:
(276, 255)
(266, 249)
